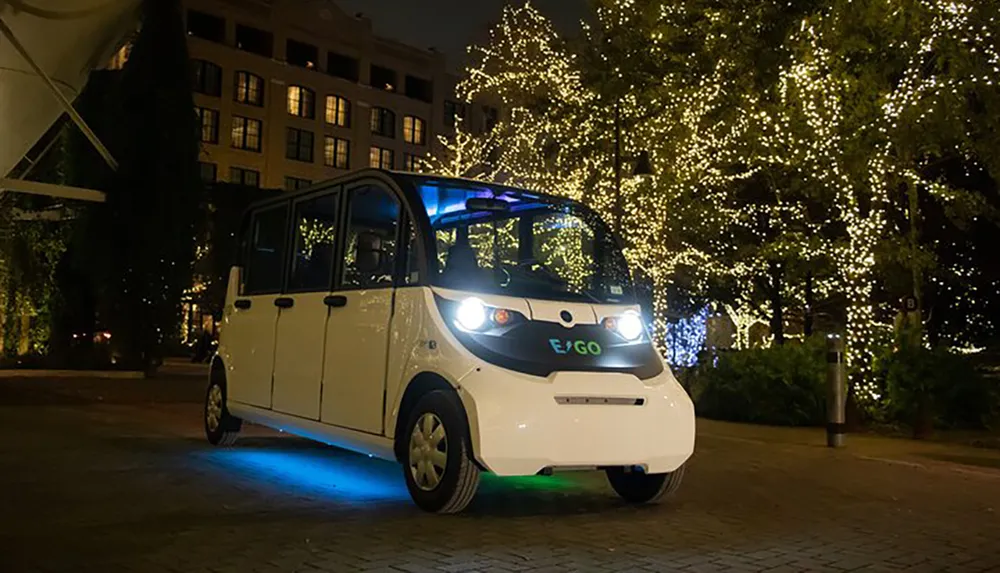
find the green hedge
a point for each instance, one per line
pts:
(781, 385)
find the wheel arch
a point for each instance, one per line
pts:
(418, 387)
(217, 370)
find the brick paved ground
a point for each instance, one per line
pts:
(114, 476)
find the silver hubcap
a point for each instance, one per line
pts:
(213, 408)
(428, 452)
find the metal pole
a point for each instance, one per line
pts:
(618, 168)
(67, 106)
(836, 420)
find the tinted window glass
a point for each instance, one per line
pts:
(266, 251)
(315, 233)
(370, 251)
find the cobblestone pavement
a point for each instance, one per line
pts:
(115, 476)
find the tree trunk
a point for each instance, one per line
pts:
(807, 326)
(777, 303)
(923, 423)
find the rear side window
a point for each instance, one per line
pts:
(315, 233)
(266, 246)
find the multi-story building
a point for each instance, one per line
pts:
(295, 91)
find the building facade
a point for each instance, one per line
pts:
(291, 92)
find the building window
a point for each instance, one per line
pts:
(381, 158)
(490, 115)
(241, 176)
(294, 183)
(341, 66)
(338, 111)
(414, 130)
(301, 102)
(383, 122)
(209, 172)
(419, 89)
(206, 78)
(411, 162)
(301, 54)
(382, 78)
(208, 124)
(453, 113)
(254, 41)
(249, 89)
(337, 152)
(206, 26)
(299, 144)
(246, 133)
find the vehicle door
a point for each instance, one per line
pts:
(251, 326)
(357, 332)
(303, 310)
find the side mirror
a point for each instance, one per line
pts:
(369, 253)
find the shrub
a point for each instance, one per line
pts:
(935, 387)
(781, 385)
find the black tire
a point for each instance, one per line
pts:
(639, 487)
(458, 480)
(227, 427)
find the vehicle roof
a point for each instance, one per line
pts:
(404, 180)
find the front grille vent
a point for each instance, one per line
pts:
(600, 401)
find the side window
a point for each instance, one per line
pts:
(266, 256)
(370, 250)
(315, 235)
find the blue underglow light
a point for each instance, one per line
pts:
(327, 473)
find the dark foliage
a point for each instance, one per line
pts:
(145, 232)
(781, 385)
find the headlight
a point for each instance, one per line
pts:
(629, 325)
(471, 314)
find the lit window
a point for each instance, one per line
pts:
(299, 144)
(411, 162)
(208, 124)
(381, 158)
(241, 176)
(337, 153)
(413, 130)
(249, 89)
(246, 133)
(301, 102)
(338, 111)
(383, 122)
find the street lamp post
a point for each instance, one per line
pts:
(643, 166)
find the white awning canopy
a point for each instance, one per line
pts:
(48, 45)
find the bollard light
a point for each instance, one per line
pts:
(836, 402)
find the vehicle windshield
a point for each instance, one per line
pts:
(499, 241)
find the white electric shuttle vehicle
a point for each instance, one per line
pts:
(454, 326)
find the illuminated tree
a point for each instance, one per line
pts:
(796, 145)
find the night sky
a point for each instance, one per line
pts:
(451, 25)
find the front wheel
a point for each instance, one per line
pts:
(639, 487)
(221, 428)
(440, 474)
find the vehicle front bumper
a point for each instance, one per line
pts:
(523, 424)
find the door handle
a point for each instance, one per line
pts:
(284, 302)
(335, 300)
(243, 303)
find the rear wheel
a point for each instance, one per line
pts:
(639, 487)
(440, 474)
(221, 428)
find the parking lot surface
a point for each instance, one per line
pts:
(115, 476)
